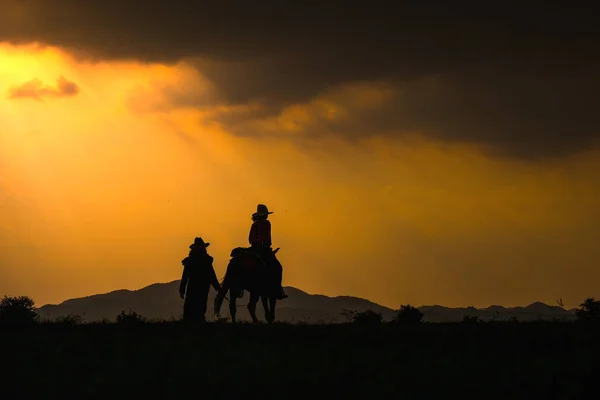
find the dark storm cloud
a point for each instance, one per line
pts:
(520, 76)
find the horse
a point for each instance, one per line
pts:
(248, 271)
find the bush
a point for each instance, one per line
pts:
(18, 311)
(589, 310)
(70, 320)
(367, 317)
(130, 318)
(409, 315)
(349, 314)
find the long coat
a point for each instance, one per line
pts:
(198, 275)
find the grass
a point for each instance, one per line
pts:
(422, 361)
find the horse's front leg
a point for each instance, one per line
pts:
(252, 307)
(272, 303)
(232, 305)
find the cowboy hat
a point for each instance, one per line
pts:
(198, 242)
(261, 209)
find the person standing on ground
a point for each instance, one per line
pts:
(198, 275)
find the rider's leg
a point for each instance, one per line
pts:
(268, 257)
(279, 269)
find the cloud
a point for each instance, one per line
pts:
(512, 123)
(36, 89)
(427, 221)
(520, 82)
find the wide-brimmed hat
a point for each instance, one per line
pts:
(198, 242)
(261, 209)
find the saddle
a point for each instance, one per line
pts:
(239, 250)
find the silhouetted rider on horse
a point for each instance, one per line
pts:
(260, 242)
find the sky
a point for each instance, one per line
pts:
(416, 153)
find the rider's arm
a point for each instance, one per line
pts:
(252, 236)
(267, 233)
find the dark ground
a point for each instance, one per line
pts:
(426, 361)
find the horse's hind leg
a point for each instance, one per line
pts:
(232, 305)
(252, 307)
(265, 304)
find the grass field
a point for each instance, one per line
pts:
(506, 360)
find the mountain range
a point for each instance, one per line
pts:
(161, 301)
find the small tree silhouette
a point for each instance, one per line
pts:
(368, 317)
(130, 318)
(408, 315)
(589, 310)
(18, 311)
(349, 314)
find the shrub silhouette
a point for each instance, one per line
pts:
(18, 311)
(589, 310)
(349, 314)
(408, 315)
(130, 318)
(71, 319)
(368, 317)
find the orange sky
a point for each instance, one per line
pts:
(105, 188)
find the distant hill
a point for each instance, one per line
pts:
(532, 312)
(161, 301)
